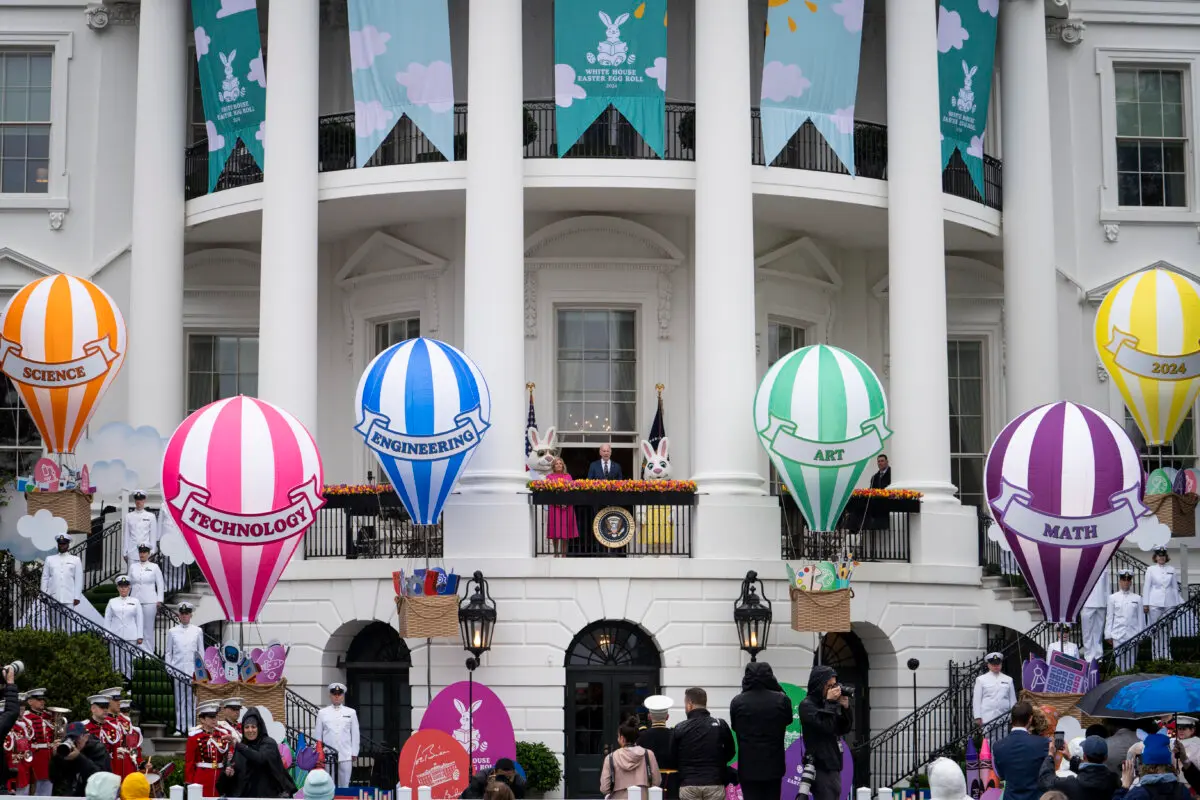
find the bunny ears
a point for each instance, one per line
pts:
(649, 452)
(537, 443)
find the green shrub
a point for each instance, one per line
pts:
(543, 773)
(70, 666)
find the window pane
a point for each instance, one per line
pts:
(772, 343)
(227, 386)
(1127, 157)
(37, 176)
(1176, 190)
(227, 351)
(1152, 190)
(12, 175)
(39, 70)
(39, 105)
(1126, 85)
(969, 356)
(199, 390)
(1172, 87)
(16, 105)
(597, 370)
(1173, 120)
(16, 71)
(1152, 157)
(1152, 119)
(248, 384)
(970, 431)
(1149, 86)
(1129, 192)
(248, 355)
(1127, 120)
(1173, 157)
(38, 142)
(200, 353)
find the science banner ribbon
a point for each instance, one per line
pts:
(810, 71)
(610, 52)
(966, 53)
(233, 79)
(400, 64)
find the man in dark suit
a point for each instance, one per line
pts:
(605, 469)
(1017, 758)
(883, 478)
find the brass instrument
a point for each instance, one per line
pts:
(60, 721)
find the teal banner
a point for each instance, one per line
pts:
(810, 71)
(610, 52)
(400, 64)
(233, 79)
(966, 53)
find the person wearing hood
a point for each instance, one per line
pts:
(504, 772)
(946, 781)
(629, 765)
(257, 769)
(825, 716)
(135, 787)
(76, 760)
(760, 716)
(1092, 781)
(1158, 780)
(103, 786)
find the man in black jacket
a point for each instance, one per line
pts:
(825, 716)
(8, 718)
(1094, 780)
(504, 772)
(701, 747)
(84, 757)
(760, 716)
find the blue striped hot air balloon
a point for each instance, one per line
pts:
(422, 407)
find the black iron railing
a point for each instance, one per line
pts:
(610, 136)
(564, 523)
(1176, 635)
(872, 529)
(369, 526)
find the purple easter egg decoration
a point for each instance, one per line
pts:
(1064, 483)
(486, 732)
(216, 669)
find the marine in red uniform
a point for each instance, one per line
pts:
(41, 724)
(228, 716)
(101, 728)
(133, 739)
(118, 738)
(20, 755)
(207, 750)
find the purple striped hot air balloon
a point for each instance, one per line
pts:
(1064, 483)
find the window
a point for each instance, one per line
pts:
(967, 451)
(597, 375)
(221, 366)
(1180, 453)
(25, 121)
(782, 338)
(1151, 138)
(395, 331)
(20, 442)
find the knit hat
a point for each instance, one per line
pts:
(135, 787)
(318, 785)
(102, 786)
(1156, 750)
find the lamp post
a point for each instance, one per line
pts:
(476, 619)
(912, 665)
(752, 615)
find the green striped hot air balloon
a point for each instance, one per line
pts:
(821, 414)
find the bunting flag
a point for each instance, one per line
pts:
(810, 72)
(400, 65)
(530, 422)
(610, 52)
(233, 79)
(966, 53)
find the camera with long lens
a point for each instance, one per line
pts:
(847, 690)
(17, 667)
(66, 746)
(807, 778)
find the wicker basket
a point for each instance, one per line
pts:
(821, 612)
(72, 505)
(423, 617)
(270, 696)
(1176, 511)
(1064, 704)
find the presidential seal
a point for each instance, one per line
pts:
(613, 527)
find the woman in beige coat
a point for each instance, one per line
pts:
(629, 765)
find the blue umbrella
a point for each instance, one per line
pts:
(1141, 696)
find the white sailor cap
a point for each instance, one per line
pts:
(993, 658)
(232, 702)
(113, 694)
(1125, 573)
(138, 494)
(99, 700)
(659, 702)
(63, 537)
(337, 687)
(208, 709)
(21, 697)
(35, 694)
(1185, 722)
(186, 608)
(125, 704)
(122, 580)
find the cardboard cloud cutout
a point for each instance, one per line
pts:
(171, 542)
(140, 451)
(21, 548)
(41, 528)
(111, 478)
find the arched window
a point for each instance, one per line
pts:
(377, 687)
(610, 643)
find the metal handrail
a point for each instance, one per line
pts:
(1184, 616)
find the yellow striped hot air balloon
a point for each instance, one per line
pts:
(1148, 338)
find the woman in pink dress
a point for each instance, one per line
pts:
(560, 521)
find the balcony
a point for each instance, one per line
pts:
(872, 529)
(572, 523)
(369, 526)
(610, 136)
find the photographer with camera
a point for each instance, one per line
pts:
(825, 716)
(504, 772)
(75, 759)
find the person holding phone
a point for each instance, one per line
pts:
(1093, 781)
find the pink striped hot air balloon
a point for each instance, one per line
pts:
(1064, 483)
(243, 480)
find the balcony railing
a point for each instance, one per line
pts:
(610, 136)
(369, 526)
(564, 522)
(873, 529)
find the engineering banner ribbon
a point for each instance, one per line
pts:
(422, 447)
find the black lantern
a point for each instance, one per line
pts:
(752, 615)
(476, 619)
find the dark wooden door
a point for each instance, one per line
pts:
(597, 700)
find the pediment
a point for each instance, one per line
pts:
(221, 268)
(601, 240)
(385, 256)
(966, 278)
(801, 260)
(1096, 296)
(18, 269)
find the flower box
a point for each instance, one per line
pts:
(600, 498)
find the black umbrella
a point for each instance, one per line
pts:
(1096, 702)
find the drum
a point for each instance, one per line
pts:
(156, 784)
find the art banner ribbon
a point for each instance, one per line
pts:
(223, 526)
(1014, 511)
(432, 447)
(56, 374)
(780, 437)
(1125, 351)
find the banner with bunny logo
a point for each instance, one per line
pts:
(966, 53)
(233, 79)
(400, 65)
(810, 72)
(477, 719)
(610, 53)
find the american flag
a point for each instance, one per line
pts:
(530, 422)
(658, 430)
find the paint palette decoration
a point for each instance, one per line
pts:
(822, 576)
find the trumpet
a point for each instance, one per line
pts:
(60, 721)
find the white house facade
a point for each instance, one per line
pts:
(596, 277)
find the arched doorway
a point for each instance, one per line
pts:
(377, 687)
(612, 667)
(846, 654)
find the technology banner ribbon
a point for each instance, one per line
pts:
(966, 53)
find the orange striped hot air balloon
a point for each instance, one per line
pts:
(62, 342)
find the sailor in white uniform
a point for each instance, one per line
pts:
(1124, 619)
(994, 695)
(185, 642)
(337, 726)
(1063, 644)
(147, 580)
(123, 617)
(1160, 595)
(1092, 617)
(62, 574)
(141, 527)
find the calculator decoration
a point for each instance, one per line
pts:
(820, 593)
(1059, 673)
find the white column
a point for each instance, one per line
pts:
(491, 516)
(155, 362)
(288, 285)
(1030, 285)
(723, 439)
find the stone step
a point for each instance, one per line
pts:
(169, 745)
